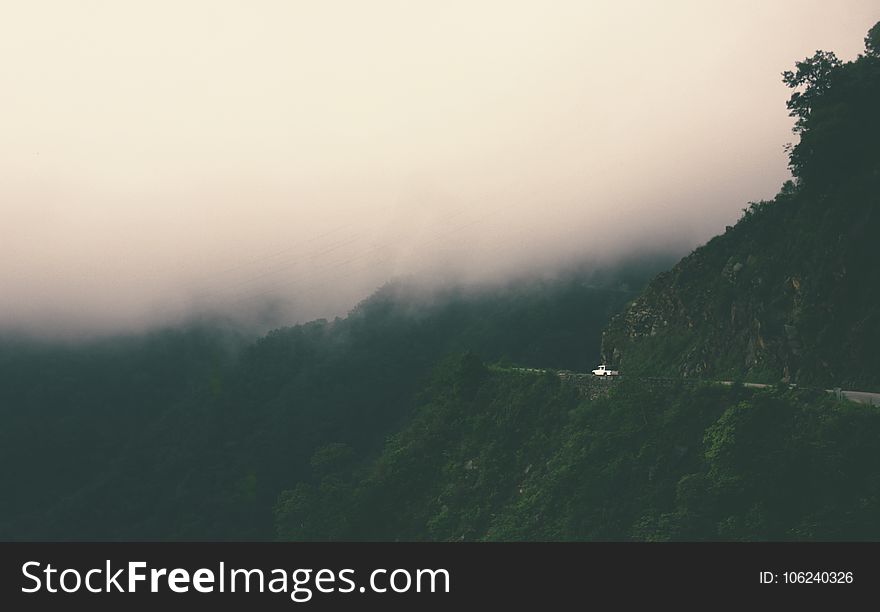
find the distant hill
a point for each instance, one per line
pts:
(792, 291)
(192, 433)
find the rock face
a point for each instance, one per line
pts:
(791, 293)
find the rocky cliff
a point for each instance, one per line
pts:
(792, 291)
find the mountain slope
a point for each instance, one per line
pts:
(494, 455)
(792, 291)
(192, 433)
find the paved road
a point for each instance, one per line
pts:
(750, 385)
(862, 397)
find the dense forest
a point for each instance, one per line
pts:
(501, 455)
(193, 432)
(440, 415)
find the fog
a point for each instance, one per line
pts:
(277, 161)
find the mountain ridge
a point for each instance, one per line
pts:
(791, 292)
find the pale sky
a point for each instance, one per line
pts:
(162, 157)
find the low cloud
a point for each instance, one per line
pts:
(274, 162)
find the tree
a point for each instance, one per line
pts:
(872, 41)
(814, 75)
(834, 105)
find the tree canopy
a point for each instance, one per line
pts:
(834, 105)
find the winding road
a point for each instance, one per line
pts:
(862, 397)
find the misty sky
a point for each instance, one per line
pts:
(159, 158)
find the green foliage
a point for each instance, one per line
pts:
(835, 105)
(192, 433)
(872, 41)
(813, 75)
(528, 458)
(332, 459)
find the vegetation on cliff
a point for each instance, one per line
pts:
(192, 433)
(792, 291)
(790, 294)
(493, 455)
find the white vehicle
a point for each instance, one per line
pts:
(603, 371)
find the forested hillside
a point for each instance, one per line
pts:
(193, 432)
(792, 291)
(495, 455)
(790, 294)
